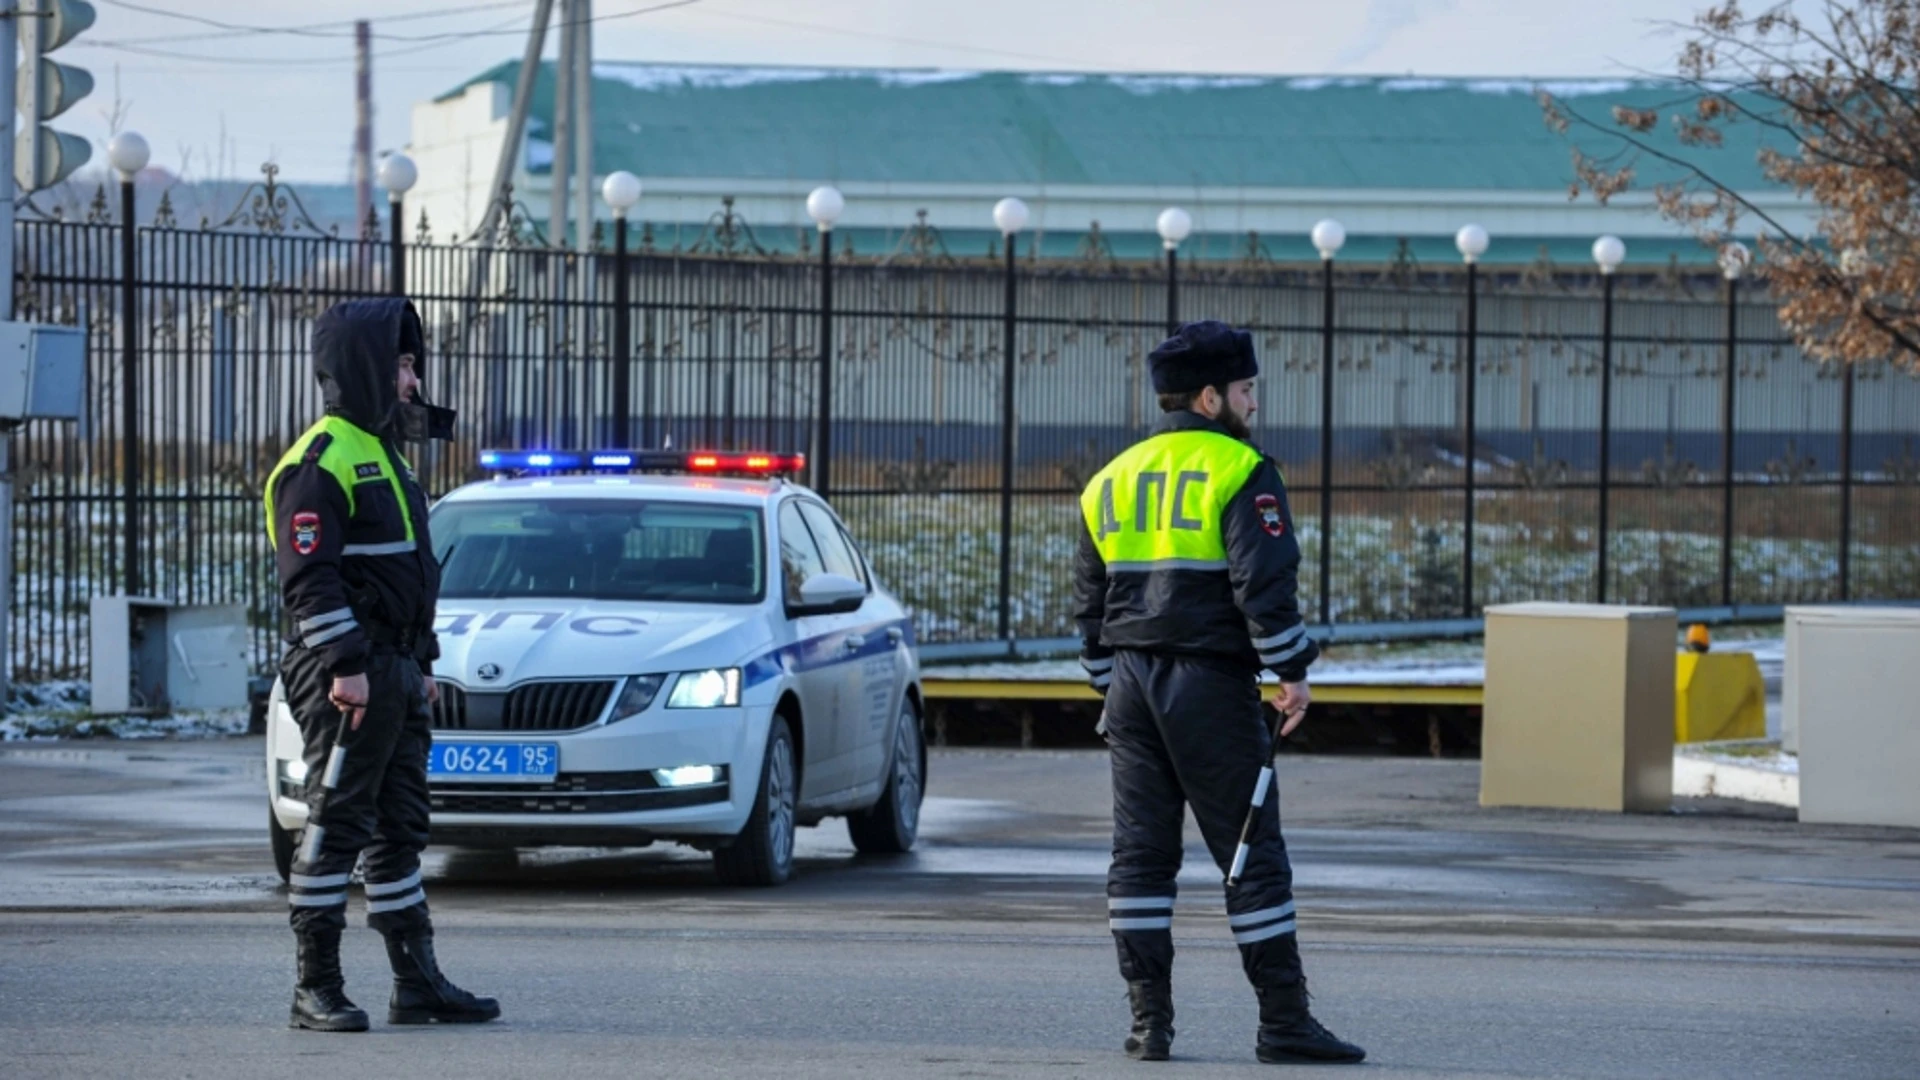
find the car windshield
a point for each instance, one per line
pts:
(599, 549)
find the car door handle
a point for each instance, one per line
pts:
(856, 642)
(894, 636)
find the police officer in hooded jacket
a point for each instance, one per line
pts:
(1184, 590)
(348, 523)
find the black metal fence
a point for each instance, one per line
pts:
(1654, 439)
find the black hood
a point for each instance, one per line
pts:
(356, 356)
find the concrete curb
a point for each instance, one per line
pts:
(1701, 774)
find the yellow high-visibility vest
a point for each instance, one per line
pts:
(354, 457)
(1158, 505)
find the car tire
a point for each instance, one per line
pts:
(283, 843)
(892, 824)
(762, 853)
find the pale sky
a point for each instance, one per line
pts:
(289, 96)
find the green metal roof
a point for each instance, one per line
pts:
(1111, 130)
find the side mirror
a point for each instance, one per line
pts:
(830, 594)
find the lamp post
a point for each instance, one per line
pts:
(1009, 216)
(1329, 236)
(1608, 253)
(1854, 263)
(397, 174)
(824, 206)
(1734, 260)
(128, 154)
(621, 190)
(1174, 226)
(1472, 241)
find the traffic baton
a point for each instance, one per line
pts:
(1259, 800)
(336, 758)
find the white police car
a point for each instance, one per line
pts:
(702, 657)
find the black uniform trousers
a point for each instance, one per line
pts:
(366, 792)
(1189, 732)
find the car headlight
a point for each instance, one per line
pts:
(709, 689)
(636, 696)
(295, 770)
(688, 776)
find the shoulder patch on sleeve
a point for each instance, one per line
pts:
(1270, 519)
(306, 532)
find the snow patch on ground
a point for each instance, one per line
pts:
(59, 710)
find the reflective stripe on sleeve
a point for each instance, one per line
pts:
(397, 547)
(331, 632)
(325, 619)
(1268, 644)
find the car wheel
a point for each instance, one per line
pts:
(762, 854)
(282, 842)
(892, 825)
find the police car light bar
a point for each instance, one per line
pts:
(662, 461)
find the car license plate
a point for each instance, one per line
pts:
(522, 762)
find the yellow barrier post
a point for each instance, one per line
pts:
(1718, 696)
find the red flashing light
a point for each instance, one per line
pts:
(756, 464)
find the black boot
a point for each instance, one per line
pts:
(1152, 1037)
(421, 995)
(320, 995)
(1289, 1035)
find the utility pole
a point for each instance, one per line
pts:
(9, 37)
(559, 191)
(510, 148)
(362, 122)
(583, 121)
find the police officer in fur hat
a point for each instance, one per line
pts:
(1184, 589)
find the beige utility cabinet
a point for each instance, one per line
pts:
(1850, 706)
(1579, 707)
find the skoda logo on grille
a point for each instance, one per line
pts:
(489, 672)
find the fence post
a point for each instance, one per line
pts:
(824, 206)
(129, 388)
(1846, 481)
(1327, 251)
(1472, 241)
(1608, 251)
(1733, 260)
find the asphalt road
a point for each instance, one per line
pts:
(141, 934)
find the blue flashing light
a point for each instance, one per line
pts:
(751, 463)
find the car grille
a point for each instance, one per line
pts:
(450, 712)
(540, 706)
(576, 793)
